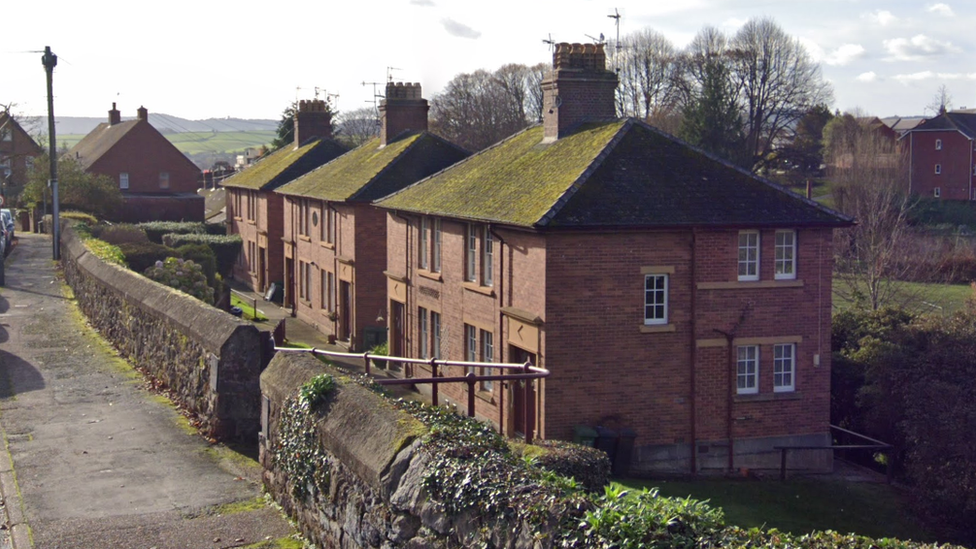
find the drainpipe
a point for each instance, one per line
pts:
(694, 353)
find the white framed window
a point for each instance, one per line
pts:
(747, 370)
(748, 255)
(937, 192)
(435, 333)
(7, 135)
(938, 169)
(328, 290)
(435, 264)
(471, 254)
(329, 224)
(938, 144)
(163, 180)
(785, 255)
(423, 333)
(423, 243)
(252, 199)
(470, 343)
(487, 355)
(237, 201)
(487, 259)
(124, 180)
(251, 256)
(655, 299)
(784, 367)
(304, 280)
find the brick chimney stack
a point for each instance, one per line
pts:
(403, 109)
(579, 89)
(114, 116)
(142, 113)
(312, 119)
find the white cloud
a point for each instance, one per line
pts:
(929, 75)
(940, 9)
(459, 29)
(882, 17)
(844, 55)
(869, 76)
(916, 47)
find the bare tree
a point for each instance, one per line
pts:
(779, 84)
(649, 71)
(533, 83)
(941, 101)
(870, 173)
(358, 126)
(478, 109)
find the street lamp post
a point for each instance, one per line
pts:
(49, 60)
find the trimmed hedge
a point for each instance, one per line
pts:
(142, 255)
(119, 234)
(226, 248)
(86, 218)
(219, 229)
(587, 466)
(156, 230)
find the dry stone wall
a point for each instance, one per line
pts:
(210, 360)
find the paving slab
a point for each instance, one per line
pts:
(93, 459)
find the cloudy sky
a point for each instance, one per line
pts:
(214, 58)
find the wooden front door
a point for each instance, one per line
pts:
(520, 411)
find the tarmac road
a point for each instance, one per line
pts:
(92, 459)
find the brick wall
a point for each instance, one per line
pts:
(955, 159)
(144, 153)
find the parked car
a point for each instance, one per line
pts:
(7, 218)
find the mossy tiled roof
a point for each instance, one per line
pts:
(370, 172)
(285, 164)
(612, 174)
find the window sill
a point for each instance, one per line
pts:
(430, 274)
(478, 289)
(252, 222)
(767, 397)
(304, 238)
(656, 328)
(749, 285)
(485, 396)
(328, 245)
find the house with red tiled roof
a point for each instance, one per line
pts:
(157, 181)
(256, 212)
(17, 151)
(335, 240)
(941, 156)
(667, 291)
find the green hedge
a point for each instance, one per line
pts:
(156, 230)
(226, 248)
(142, 255)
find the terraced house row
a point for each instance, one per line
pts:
(666, 290)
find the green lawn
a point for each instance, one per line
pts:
(918, 297)
(198, 142)
(247, 307)
(801, 506)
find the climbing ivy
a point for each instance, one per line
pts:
(298, 452)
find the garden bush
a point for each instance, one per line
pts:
(219, 229)
(588, 466)
(86, 218)
(119, 234)
(202, 255)
(156, 230)
(142, 255)
(226, 248)
(185, 276)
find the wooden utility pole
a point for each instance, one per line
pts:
(49, 60)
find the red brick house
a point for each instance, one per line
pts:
(256, 212)
(942, 164)
(17, 150)
(158, 182)
(666, 290)
(335, 240)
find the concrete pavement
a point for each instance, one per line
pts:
(91, 458)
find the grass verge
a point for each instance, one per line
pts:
(250, 313)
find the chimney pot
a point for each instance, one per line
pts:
(579, 89)
(403, 109)
(143, 113)
(114, 117)
(312, 119)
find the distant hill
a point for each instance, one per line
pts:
(165, 124)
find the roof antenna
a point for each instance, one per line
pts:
(389, 73)
(375, 95)
(550, 42)
(616, 18)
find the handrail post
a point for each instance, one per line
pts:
(433, 385)
(471, 381)
(526, 400)
(366, 360)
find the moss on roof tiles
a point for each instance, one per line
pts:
(345, 176)
(267, 171)
(518, 181)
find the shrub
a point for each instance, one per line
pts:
(86, 218)
(588, 466)
(143, 255)
(185, 276)
(218, 229)
(105, 251)
(202, 255)
(120, 234)
(226, 248)
(156, 230)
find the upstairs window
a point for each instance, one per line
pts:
(655, 299)
(487, 259)
(938, 144)
(938, 169)
(422, 244)
(435, 264)
(124, 180)
(749, 255)
(252, 199)
(785, 255)
(303, 218)
(329, 226)
(163, 180)
(471, 254)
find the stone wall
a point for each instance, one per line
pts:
(208, 359)
(376, 465)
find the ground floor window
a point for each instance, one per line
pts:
(747, 369)
(784, 367)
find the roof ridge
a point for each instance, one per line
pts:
(597, 161)
(461, 162)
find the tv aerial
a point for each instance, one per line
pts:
(616, 17)
(551, 43)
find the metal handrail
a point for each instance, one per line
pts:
(528, 373)
(876, 445)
